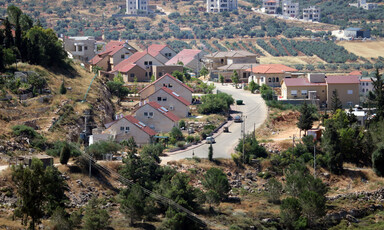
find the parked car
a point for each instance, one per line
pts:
(237, 119)
(210, 140)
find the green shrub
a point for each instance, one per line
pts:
(25, 131)
(190, 139)
(180, 144)
(55, 148)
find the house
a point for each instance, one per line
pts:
(363, 4)
(190, 58)
(269, 74)
(347, 88)
(312, 13)
(81, 48)
(123, 129)
(366, 84)
(215, 6)
(226, 62)
(161, 52)
(114, 53)
(157, 117)
(27, 160)
(171, 101)
(170, 82)
(360, 114)
(270, 6)
(143, 60)
(319, 88)
(290, 9)
(159, 70)
(356, 33)
(312, 87)
(135, 7)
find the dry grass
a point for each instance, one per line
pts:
(367, 49)
(291, 60)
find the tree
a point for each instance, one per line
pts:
(252, 149)
(94, 216)
(210, 152)
(235, 78)
(253, 86)
(290, 211)
(204, 71)
(306, 118)
(216, 180)
(335, 102)
(2, 66)
(274, 188)
(117, 89)
(9, 56)
(182, 124)
(313, 206)
(130, 144)
(378, 160)
(179, 75)
(63, 89)
(331, 145)
(212, 197)
(378, 95)
(153, 78)
(221, 78)
(102, 147)
(65, 154)
(40, 191)
(8, 39)
(176, 134)
(131, 203)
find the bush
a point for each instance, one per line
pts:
(274, 188)
(180, 144)
(55, 149)
(290, 211)
(176, 134)
(190, 139)
(182, 124)
(25, 131)
(65, 154)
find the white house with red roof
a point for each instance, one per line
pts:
(170, 82)
(157, 117)
(114, 53)
(170, 100)
(161, 52)
(190, 58)
(269, 74)
(123, 129)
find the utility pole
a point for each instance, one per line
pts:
(90, 166)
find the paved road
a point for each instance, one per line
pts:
(255, 111)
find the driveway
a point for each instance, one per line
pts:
(255, 111)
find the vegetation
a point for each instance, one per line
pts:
(215, 103)
(250, 148)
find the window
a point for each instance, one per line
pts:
(126, 129)
(122, 56)
(132, 75)
(349, 103)
(269, 80)
(350, 91)
(169, 85)
(294, 92)
(277, 79)
(150, 114)
(85, 47)
(164, 99)
(160, 74)
(145, 114)
(304, 92)
(121, 128)
(145, 63)
(158, 98)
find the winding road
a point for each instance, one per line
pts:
(255, 112)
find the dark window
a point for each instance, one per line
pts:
(122, 56)
(132, 75)
(158, 98)
(85, 47)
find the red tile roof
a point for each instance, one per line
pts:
(169, 75)
(366, 80)
(95, 60)
(111, 44)
(155, 49)
(300, 82)
(136, 122)
(164, 111)
(126, 68)
(271, 68)
(175, 95)
(129, 61)
(140, 125)
(185, 56)
(342, 80)
(356, 73)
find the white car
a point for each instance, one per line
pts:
(210, 140)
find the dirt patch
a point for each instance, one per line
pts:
(367, 49)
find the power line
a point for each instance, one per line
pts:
(164, 200)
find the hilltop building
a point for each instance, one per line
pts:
(357, 33)
(270, 6)
(312, 13)
(270, 74)
(290, 9)
(363, 4)
(216, 6)
(82, 48)
(136, 7)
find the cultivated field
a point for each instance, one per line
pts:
(367, 49)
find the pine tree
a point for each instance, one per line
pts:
(63, 89)
(235, 78)
(8, 39)
(335, 102)
(1, 59)
(131, 203)
(210, 153)
(306, 118)
(331, 144)
(378, 95)
(65, 154)
(221, 78)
